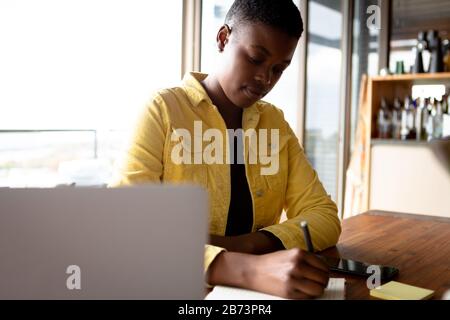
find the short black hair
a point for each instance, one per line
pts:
(281, 14)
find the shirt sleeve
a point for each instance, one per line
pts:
(306, 199)
(144, 159)
(211, 252)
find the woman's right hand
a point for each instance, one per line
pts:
(292, 274)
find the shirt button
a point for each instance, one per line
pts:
(259, 193)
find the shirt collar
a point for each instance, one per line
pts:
(197, 94)
(194, 89)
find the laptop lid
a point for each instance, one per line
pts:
(139, 242)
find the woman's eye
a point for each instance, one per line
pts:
(255, 61)
(278, 71)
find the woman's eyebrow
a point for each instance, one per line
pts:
(267, 52)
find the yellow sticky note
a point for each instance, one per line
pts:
(399, 291)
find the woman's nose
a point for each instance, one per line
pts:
(264, 77)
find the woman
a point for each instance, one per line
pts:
(183, 129)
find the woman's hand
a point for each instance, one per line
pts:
(292, 274)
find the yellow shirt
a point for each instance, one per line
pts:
(295, 187)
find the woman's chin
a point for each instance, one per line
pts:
(247, 99)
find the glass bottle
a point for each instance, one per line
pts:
(435, 47)
(428, 120)
(418, 50)
(421, 115)
(408, 130)
(438, 118)
(446, 44)
(446, 116)
(384, 120)
(396, 119)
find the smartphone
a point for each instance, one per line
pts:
(359, 268)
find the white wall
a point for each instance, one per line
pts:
(408, 178)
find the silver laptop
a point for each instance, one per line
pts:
(140, 242)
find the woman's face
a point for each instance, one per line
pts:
(254, 57)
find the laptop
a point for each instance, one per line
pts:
(139, 242)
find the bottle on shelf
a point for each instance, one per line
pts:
(446, 45)
(408, 130)
(384, 120)
(421, 119)
(428, 119)
(446, 116)
(396, 119)
(446, 104)
(435, 47)
(438, 118)
(418, 50)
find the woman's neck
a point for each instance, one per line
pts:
(229, 112)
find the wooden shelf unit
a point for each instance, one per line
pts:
(398, 86)
(390, 87)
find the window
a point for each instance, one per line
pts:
(409, 17)
(84, 68)
(364, 57)
(213, 16)
(324, 58)
(283, 95)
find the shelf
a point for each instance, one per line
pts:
(391, 87)
(413, 77)
(376, 141)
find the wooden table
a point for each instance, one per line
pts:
(419, 246)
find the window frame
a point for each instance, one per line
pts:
(191, 36)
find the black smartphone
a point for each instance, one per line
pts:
(359, 268)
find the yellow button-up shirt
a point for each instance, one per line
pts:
(294, 187)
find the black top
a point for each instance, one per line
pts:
(240, 213)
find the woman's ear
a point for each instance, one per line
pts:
(222, 37)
